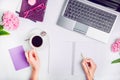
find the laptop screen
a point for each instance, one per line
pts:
(114, 4)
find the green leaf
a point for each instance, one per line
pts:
(2, 33)
(1, 27)
(116, 61)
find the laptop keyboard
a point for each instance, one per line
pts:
(89, 15)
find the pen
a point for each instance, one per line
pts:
(83, 56)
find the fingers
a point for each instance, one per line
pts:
(35, 54)
(91, 63)
(31, 55)
(84, 65)
(26, 54)
(89, 68)
(33, 59)
(88, 64)
(36, 57)
(28, 57)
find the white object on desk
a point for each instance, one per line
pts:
(19, 6)
(37, 32)
(65, 59)
(6, 5)
(98, 54)
(60, 60)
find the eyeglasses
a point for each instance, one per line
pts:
(40, 6)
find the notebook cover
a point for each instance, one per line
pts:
(18, 57)
(35, 12)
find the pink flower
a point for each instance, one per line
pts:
(118, 41)
(10, 21)
(116, 46)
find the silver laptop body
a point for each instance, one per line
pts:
(82, 17)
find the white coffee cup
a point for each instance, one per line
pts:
(36, 41)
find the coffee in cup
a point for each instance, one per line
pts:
(36, 41)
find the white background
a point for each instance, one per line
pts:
(62, 64)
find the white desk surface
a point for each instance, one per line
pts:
(65, 49)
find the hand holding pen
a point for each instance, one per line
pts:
(89, 68)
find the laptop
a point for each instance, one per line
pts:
(85, 17)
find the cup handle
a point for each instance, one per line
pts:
(43, 33)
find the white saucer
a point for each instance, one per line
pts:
(40, 32)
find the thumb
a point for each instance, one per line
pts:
(84, 65)
(26, 55)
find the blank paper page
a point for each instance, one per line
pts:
(96, 51)
(61, 59)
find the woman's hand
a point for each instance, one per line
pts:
(89, 68)
(34, 61)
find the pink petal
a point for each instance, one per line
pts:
(115, 47)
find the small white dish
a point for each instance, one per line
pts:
(40, 33)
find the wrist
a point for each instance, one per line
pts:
(35, 71)
(34, 75)
(90, 78)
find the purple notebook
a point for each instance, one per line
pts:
(35, 12)
(18, 57)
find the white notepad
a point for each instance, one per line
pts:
(65, 59)
(60, 59)
(98, 52)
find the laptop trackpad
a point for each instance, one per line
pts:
(81, 28)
